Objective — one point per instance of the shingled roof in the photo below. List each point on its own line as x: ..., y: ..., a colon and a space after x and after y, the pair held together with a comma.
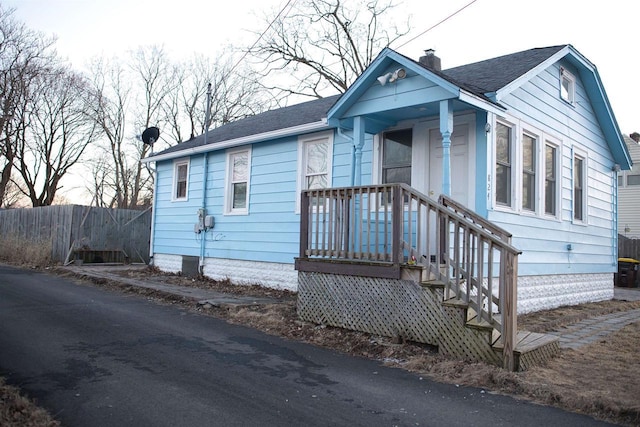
x: 280, y: 118
x: 480, y: 78
x: 492, y: 74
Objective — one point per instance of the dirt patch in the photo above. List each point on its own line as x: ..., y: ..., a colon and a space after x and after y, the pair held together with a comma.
x: 601, y: 380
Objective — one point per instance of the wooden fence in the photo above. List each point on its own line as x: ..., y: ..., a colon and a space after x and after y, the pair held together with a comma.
x: 628, y: 248
x: 82, y: 232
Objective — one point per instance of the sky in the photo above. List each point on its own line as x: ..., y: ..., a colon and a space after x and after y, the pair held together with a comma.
x: 606, y: 33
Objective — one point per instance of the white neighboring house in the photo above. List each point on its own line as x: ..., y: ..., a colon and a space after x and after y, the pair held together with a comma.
x: 629, y: 192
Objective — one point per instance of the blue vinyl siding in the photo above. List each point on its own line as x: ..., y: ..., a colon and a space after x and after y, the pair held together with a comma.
x: 270, y: 232
x: 544, y: 241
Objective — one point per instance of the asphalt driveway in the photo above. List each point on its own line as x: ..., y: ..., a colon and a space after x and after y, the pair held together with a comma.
x: 96, y: 357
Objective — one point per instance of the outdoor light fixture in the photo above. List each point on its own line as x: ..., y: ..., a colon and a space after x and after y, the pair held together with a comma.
x: 398, y: 74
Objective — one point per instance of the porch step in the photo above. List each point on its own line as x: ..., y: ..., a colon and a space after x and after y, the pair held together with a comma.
x: 479, y: 324
x: 456, y: 302
x: 432, y: 284
x: 532, y: 349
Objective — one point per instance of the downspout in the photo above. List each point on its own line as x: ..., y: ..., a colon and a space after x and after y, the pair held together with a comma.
x: 202, y: 212
x: 153, y: 216
x: 353, y: 154
x: 614, y: 208
x: 358, y: 144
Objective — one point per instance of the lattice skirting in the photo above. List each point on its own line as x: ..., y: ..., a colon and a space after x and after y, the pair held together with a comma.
x: 392, y: 308
x: 537, y: 356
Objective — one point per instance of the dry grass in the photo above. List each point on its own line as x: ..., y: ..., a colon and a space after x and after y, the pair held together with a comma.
x: 18, y: 411
x: 34, y: 253
x: 552, y: 320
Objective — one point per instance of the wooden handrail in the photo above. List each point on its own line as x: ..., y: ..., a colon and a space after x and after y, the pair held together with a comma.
x: 394, y: 224
x: 468, y: 213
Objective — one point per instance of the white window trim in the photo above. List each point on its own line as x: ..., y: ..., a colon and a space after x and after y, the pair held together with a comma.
x: 537, y: 171
x: 515, y: 153
x: 518, y: 129
x: 228, y: 188
x: 582, y: 154
x: 565, y: 74
x: 558, y: 174
x: 302, y: 164
x: 174, y: 187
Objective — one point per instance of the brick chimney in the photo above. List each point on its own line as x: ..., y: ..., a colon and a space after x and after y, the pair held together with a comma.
x: 430, y: 60
x: 635, y: 136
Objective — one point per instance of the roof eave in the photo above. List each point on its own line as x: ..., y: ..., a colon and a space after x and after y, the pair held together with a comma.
x: 236, y: 142
x: 478, y: 102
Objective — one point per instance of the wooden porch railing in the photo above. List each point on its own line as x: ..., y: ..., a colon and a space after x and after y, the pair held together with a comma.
x: 384, y: 227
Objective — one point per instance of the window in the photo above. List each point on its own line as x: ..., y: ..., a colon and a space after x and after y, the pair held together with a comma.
x: 316, y: 171
x: 314, y: 159
x: 237, y: 188
x: 550, y: 179
x: 630, y: 177
x: 633, y: 179
x: 396, y: 156
x: 180, y: 179
x: 503, y: 164
x: 567, y: 86
x: 578, y: 188
x: 528, y: 173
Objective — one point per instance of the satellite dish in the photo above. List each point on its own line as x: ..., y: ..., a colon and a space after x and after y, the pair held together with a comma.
x: 150, y: 135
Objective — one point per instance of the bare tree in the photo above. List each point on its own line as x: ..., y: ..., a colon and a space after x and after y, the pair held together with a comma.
x: 236, y: 93
x: 129, y: 98
x: 109, y: 111
x: 100, y: 179
x: 324, y: 45
x: 55, y: 135
x: 158, y: 77
x: 24, y: 55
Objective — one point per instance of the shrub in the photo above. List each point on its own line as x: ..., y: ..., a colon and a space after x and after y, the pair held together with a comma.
x: 20, y: 250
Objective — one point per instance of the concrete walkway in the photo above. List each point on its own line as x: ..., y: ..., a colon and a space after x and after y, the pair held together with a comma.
x: 201, y: 296
x: 595, y: 328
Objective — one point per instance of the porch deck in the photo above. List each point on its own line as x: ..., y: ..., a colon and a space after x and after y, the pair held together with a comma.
x: 390, y: 261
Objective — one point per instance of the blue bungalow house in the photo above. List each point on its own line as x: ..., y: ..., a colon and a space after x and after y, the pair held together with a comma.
x: 491, y: 184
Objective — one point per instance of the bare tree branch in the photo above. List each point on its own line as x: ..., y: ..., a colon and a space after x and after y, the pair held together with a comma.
x: 324, y: 45
x: 56, y: 133
x: 24, y: 55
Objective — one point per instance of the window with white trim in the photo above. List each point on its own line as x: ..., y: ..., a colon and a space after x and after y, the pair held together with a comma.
x: 504, y: 163
x: 529, y: 165
x: 567, y: 86
x: 237, y: 185
x: 180, y: 180
x: 578, y: 188
x: 314, y: 162
x: 550, y: 179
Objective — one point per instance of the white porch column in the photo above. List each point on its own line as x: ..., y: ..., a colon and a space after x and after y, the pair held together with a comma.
x: 358, y: 143
x: 446, y: 128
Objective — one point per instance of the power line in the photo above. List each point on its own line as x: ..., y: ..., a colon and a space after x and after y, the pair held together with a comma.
x: 440, y: 22
x: 262, y: 34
